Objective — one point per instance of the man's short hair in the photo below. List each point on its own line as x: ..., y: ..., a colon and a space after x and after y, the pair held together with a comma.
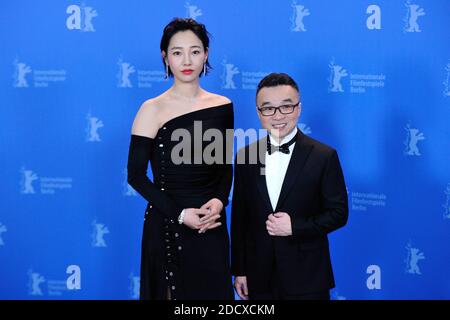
x: 277, y: 79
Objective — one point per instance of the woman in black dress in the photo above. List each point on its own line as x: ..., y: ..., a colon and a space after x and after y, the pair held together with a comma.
x: 185, y: 245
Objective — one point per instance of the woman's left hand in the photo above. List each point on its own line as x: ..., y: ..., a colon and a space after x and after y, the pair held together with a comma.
x: 208, y: 221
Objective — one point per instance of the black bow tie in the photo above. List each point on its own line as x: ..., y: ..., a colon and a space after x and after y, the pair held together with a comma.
x: 284, y: 148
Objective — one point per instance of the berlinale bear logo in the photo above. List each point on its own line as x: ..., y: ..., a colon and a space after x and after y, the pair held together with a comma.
x: 74, y: 21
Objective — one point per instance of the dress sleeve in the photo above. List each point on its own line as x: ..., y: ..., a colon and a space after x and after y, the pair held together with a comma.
x: 139, y: 155
x: 226, y: 169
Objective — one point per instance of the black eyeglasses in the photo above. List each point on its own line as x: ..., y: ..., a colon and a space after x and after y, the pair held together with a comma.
x: 284, y: 109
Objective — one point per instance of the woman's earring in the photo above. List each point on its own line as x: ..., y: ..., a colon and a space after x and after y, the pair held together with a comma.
x: 167, y: 72
x: 204, y: 69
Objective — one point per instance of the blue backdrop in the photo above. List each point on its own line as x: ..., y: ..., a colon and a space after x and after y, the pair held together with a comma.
x: 375, y: 82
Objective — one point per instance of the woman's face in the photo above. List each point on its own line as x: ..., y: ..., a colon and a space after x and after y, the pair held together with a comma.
x: 186, y: 56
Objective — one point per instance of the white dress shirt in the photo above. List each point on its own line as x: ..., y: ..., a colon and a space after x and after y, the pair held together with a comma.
x: 276, y: 167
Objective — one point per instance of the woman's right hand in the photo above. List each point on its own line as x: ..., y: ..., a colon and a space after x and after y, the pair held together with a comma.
x: 192, y: 217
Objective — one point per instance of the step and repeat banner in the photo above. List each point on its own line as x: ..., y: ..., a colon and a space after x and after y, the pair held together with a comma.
x: 375, y: 84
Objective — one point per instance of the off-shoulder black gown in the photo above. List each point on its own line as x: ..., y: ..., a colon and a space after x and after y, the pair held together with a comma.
x: 175, y: 257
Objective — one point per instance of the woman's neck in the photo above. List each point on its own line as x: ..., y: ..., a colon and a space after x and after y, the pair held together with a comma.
x: 186, y: 91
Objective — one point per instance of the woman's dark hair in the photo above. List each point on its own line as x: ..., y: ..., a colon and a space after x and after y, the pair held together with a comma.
x: 180, y: 24
x: 277, y: 79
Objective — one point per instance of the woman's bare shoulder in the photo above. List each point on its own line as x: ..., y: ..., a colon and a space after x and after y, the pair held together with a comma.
x: 146, y: 123
x: 217, y: 100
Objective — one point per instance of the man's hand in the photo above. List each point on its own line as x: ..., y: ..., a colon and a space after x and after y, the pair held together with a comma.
x: 208, y: 221
x: 279, y: 224
x: 240, y: 284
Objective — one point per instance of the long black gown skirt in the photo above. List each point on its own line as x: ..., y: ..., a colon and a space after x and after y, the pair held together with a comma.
x: 177, y: 260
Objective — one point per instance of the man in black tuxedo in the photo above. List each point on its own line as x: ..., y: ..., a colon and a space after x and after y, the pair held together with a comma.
x: 285, y: 203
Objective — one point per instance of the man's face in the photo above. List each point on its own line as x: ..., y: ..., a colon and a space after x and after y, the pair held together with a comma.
x: 279, y: 125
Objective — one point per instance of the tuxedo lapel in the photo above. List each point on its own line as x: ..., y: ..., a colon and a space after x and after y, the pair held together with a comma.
x: 299, y: 156
x: 260, y: 170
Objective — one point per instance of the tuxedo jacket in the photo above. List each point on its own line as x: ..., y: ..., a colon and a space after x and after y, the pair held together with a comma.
x: 314, y: 195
